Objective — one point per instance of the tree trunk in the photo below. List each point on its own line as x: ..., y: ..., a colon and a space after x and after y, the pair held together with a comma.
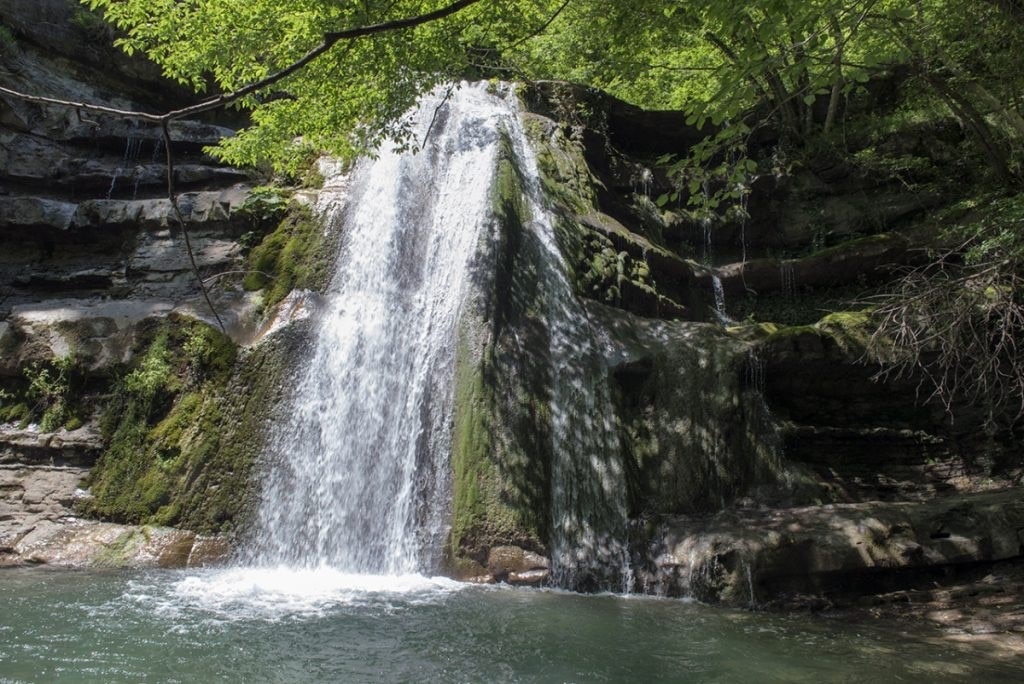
x: 837, y: 74
x: 973, y: 119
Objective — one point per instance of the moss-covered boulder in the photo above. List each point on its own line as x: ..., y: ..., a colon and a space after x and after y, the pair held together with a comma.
x: 183, y: 428
x: 501, y: 456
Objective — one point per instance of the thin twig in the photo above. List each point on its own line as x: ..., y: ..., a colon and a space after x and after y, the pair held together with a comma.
x: 172, y: 196
x: 222, y: 274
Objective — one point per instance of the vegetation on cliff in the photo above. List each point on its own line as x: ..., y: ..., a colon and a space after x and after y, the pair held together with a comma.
x: 795, y: 68
x: 296, y: 254
x: 182, y: 426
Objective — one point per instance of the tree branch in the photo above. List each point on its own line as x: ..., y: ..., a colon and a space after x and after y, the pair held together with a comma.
x: 172, y: 196
x: 329, y: 40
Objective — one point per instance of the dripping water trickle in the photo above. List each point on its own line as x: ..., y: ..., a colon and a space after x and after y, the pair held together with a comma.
x: 787, y: 277
x: 720, y: 312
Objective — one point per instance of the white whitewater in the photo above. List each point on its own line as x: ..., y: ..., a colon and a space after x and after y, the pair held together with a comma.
x: 358, y: 477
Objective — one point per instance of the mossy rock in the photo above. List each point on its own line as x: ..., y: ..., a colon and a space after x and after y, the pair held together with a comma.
x: 298, y: 254
x: 501, y: 443
x: 183, y: 429
x: 851, y: 332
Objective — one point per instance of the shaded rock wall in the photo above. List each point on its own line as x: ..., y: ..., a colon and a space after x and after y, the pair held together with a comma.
x: 769, y: 460
x: 501, y: 456
x: 90, y: 245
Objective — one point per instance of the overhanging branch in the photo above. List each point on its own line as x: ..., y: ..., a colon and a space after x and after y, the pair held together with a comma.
x: 329, y: 40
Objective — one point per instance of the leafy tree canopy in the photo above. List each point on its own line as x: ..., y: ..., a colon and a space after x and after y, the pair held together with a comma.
x: 345, y: 100
x: 715, y: 58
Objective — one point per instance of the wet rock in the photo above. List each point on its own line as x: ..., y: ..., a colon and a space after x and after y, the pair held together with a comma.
x: 74, y: 543
x: 204, y: 209
x: 208, y: 551
x: 695, y: 435
x: 745, y: 556
x: 502, y: 560
x: 479, y: 579
x: 528, y: 578
x: 298, y: 305
x: 855, y: 261
x: 34, y: 495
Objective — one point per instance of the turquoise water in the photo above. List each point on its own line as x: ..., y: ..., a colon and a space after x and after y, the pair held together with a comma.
x: 323, y: 626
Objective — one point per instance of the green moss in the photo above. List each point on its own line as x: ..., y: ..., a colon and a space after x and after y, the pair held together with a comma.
x: 120, y: 552
x: 471, y: 444
x: 52, y: 391
x: 850, y: 331
x: 501, y: 443
x: 753, y: 331
x: 15, y: 412
x: 499, y: 487
x: 791, y: 332
x: 180, y: 445
x: 295, y: 255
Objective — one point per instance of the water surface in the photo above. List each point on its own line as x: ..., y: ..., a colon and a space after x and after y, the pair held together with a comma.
x: 323, y: 626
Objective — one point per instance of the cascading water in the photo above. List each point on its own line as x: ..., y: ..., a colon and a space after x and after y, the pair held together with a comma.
x: 720, y: 312
x: 132, y: 147
x: 359, y: 469
x: 359, y: 475
x: 589, y: 513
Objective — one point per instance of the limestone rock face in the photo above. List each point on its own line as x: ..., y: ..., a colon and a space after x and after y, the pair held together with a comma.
x: 90, y: 244
x: 40, y: 485
x: 76, y: 543
x: 92, y: 259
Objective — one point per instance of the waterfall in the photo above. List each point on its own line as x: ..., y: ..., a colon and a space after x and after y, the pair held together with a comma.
x: 132, y: 147
x: 358, y: 465
x: 720, y: 312
x: 787, y: 279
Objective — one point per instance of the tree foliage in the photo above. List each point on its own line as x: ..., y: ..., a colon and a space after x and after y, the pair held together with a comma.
x: 344, y: 101
x: 791, y: 61
x: 789, y: 64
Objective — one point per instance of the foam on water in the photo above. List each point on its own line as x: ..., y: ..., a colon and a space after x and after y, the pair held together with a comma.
x: 277, y: 593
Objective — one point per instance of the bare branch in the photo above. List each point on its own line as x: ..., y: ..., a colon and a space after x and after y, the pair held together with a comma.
x: 329, y: 41
x: 172, y: 196
x: 956, y: 328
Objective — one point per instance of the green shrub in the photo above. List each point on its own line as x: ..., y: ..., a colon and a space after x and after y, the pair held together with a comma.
x: 49, y: 390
